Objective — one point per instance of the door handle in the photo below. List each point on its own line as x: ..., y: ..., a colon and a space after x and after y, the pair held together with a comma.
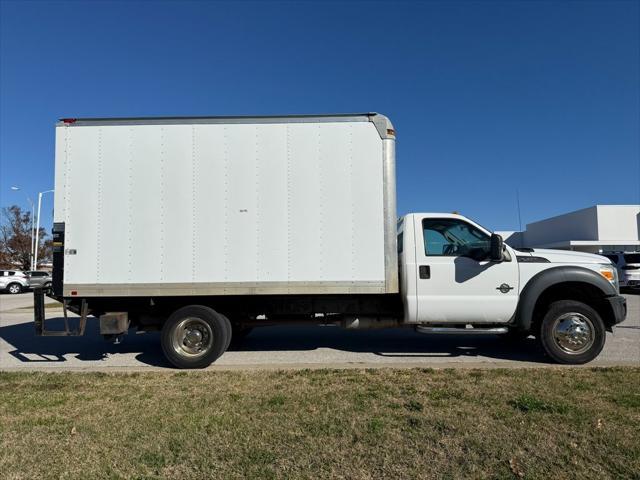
x: 424, y: 271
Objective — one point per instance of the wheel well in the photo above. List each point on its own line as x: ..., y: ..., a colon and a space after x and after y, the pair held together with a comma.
x: 578, y: 291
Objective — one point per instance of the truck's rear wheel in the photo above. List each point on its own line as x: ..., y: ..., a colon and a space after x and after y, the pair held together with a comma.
x: 195, y: 336
x: 239, y: 333
x: 572, y: 332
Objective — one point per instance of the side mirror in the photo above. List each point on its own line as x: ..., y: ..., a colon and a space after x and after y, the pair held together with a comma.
x: 496, y: 248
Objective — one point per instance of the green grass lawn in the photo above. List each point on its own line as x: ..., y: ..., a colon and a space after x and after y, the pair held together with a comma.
x: 521, y: 423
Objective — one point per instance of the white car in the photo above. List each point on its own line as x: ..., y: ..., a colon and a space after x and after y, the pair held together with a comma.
x: 13, y: 281
x: 628, y: 265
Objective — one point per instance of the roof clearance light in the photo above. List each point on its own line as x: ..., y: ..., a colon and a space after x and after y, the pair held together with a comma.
x: 69, y: 120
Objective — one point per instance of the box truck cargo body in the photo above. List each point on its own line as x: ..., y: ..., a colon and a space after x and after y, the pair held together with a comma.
x: 206, y: 227
x: 227, y: 206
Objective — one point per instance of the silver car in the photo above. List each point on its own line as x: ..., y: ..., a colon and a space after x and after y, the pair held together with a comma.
x: 13, y: 281
x: 39, y: 279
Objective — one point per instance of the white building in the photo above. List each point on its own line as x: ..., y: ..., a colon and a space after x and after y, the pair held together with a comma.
x: 595, y: 229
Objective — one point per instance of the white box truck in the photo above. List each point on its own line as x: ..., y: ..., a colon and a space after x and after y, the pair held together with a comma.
x: 206, y: 227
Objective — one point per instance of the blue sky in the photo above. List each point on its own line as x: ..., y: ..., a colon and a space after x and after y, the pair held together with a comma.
x: 486, y: 97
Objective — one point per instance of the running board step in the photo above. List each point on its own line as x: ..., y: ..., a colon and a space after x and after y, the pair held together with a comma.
x: 464, y: 330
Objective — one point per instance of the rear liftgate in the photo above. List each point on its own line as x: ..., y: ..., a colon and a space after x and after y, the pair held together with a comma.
x: 57, y: 288
x: 39, y: 318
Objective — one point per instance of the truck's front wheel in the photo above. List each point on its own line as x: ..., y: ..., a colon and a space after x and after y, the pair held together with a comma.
x: 572, y: 332
x: 195, y: 336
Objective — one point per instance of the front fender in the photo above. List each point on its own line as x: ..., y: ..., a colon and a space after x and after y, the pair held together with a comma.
x: 550, y: 277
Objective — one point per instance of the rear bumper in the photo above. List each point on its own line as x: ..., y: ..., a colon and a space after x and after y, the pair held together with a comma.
x: 630, y: 278
x: 619, y: 307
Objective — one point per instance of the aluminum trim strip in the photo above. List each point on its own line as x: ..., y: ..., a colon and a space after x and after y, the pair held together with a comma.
x: 347, y: 117
x: 390, y: 216
x: 221, y: 288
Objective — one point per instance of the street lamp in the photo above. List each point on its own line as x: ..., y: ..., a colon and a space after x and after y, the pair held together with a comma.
x: 15, y: 189
x: 35, y: 261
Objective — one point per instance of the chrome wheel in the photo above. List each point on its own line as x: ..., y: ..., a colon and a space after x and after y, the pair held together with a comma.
x: 573, y: 333
x: 14, y: 288
x: 192, y: 337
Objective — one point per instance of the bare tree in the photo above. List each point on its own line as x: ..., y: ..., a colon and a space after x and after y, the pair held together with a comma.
x: 15, y: 240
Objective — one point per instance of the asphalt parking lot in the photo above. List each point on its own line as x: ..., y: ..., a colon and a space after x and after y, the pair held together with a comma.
x: 289, y: 347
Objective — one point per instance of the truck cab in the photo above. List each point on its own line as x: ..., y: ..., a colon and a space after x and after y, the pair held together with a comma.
x: 454, y: 272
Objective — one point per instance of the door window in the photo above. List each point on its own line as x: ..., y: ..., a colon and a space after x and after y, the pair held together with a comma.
x: 451, y: 237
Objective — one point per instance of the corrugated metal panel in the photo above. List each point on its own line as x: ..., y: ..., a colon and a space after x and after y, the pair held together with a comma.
x: 214, y: 203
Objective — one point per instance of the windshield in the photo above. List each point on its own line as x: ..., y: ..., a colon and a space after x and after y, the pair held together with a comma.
x: 632, y: 257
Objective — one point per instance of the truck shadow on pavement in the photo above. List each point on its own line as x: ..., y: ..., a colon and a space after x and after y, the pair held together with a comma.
x: 393, y: 343
x: 29, y: 348
x: 397, y: 345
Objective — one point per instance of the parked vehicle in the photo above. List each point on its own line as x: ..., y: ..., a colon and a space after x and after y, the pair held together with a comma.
x: 206, y: 227
x: 628, y: 265
x: 39, y: 279
x: 13, y: 281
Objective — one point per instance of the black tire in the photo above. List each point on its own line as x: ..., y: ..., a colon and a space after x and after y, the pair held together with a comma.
x: 14, y: 288
x: 195, y: 336
x: 572, y: 332
x: 239, y: 333
x: 47, y: 286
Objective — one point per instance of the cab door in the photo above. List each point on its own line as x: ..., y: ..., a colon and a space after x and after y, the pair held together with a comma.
x: 455, y: 280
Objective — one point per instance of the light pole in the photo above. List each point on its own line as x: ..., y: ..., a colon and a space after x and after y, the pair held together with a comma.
x: 15, y: 189
x: 35, y: 261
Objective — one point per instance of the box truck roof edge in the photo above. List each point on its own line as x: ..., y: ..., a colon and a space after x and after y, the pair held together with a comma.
x: 383, y: 124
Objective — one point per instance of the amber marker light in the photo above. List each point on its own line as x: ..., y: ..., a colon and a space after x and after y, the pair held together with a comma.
x: 607, y: 273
